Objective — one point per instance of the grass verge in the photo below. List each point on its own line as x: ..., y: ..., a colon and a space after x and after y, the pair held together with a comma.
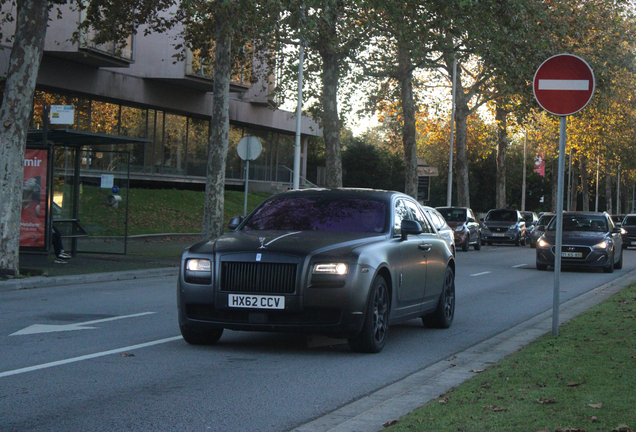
x: 584, y: 380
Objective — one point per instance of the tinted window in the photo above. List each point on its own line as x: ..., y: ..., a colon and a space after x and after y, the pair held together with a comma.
x: 319, y: 214
x: 528, y: 218
x: 419, y: 216
x: 630, y: 220
x: 453, y: 214
x: 401, y: 212
x: 596, y: 223
x: 502, y: 215
x: 545, y: 219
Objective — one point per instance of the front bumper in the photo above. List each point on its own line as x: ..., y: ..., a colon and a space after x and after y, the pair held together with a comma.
x: 500, y: 237
x: 629, y: 241
x: 590, y: 257
x: 333, y: 311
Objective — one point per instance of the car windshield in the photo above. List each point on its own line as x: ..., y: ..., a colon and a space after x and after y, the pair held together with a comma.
x: 596, y: 223
x: 545, y: 219
x: 502, y: 216
x: 630, y: 220
x: 315, y: 213
x: 453, y: 214
x: 528, y: 217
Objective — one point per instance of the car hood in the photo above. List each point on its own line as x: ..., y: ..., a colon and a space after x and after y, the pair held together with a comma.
x: 499, y: 224
x: 631, y: 229
x: 298, y: 243
x: 454, y: 224
x: 577, y: 237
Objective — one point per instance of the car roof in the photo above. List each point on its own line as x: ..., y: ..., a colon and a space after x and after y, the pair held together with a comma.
x: 367, y: 193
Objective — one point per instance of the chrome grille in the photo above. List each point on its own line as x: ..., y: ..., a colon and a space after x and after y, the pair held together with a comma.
x: 258, y: 277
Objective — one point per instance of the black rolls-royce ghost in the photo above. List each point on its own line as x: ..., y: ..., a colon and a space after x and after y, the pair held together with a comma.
x: 339, y: 262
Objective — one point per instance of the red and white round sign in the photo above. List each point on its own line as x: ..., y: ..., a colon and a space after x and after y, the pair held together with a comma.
x: 564, y: 84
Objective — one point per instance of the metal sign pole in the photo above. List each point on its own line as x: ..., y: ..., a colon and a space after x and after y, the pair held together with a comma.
x: 247, y: 177
x: 559, y: 230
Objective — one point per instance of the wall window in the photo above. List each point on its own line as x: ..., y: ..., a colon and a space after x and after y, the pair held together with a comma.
x: 134, y: 124
x: 198, y: 137
x: 174, y: 145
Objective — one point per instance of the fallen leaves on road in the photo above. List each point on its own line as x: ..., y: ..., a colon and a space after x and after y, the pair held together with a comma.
x: 390, y: 423
x: 596, y: 406
x: 575, y: 384
x: 544, y: 401
x: 127, y: 355
x: 476, y: 370
x: 622, y: 428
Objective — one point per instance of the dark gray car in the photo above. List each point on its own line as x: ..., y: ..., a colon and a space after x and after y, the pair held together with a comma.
x: 539, y: 228
x: 343, y: 262
x: 504, y: 226
x: 628, y: 231
x: 589, y: 239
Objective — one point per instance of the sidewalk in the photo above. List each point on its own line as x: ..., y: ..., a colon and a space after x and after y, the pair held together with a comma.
x: 147, y: 256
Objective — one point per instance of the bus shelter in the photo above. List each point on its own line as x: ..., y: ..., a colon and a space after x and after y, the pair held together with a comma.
x: 79, y: 183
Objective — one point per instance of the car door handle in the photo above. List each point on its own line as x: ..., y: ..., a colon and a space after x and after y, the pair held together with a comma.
x: 425, y: 247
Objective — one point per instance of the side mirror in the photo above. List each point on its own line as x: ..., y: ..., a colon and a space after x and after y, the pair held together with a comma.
x: 540, y: 227
x: 616, y: 230
x: 235, y: 222
x: 410, y: 227
x: 481, y: 219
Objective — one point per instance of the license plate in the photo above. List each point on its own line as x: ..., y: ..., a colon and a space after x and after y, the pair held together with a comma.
x: 572, y: 254
x: 256, y: 301
x: 498, y: 235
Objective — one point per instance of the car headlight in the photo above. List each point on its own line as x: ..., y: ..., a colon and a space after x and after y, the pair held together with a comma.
x: 623, y: 232
x: 459, y: 228
x: 198, y: 271
x: 601, y: 245
x: 331, y: 268
x: 543, y: 243
x: 199, y: 265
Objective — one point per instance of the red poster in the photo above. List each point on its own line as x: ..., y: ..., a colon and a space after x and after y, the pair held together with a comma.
x: 33, y: 219
x: 539, y: 165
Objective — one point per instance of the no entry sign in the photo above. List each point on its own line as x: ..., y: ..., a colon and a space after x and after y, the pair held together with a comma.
x: 564, y: 84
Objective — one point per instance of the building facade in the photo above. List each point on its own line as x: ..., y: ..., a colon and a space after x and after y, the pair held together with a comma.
x: 144, y: 91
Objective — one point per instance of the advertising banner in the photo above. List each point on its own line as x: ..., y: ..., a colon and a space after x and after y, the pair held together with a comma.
x: 33, y: 220
x: 539, y: 165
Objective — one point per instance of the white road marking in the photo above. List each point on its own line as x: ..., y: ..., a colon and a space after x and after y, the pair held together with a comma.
x: 480, y: 274
x: 519, y: 265
x: 46, y: 328
x: 548, y: 84
x: 87, y: 357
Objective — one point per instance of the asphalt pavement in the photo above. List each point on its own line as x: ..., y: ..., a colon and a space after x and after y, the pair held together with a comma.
x: 159, y: 256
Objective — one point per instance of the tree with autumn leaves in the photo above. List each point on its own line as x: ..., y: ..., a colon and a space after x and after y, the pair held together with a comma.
x: 496, y: 44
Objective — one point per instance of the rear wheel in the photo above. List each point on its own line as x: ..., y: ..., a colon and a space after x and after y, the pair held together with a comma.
x: 542, y: 267
x: 478, y: 244
x: 200, y: 337
x: 376, y: 321
x: 466, y: 244
x: 445, y: 312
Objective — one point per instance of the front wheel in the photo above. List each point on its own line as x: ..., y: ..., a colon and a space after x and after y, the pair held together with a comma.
x: 478, y: 244
x: 619, y: 264
x: 466, y: 244
x: 207, y: 337
x: 610, y: 266
x: 376, y: 321
x: 445, y: 312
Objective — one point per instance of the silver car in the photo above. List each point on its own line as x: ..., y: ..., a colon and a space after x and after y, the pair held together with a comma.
x: 444, y: 230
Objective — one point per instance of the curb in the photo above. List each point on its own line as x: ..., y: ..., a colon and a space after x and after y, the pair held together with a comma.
x: 371, y: 412
x: 46, y: 282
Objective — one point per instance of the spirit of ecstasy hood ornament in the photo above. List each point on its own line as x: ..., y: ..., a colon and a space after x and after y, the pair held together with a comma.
x: 262, y: 240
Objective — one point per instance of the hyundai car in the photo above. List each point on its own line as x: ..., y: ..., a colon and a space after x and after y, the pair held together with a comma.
x: 589, y: 239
